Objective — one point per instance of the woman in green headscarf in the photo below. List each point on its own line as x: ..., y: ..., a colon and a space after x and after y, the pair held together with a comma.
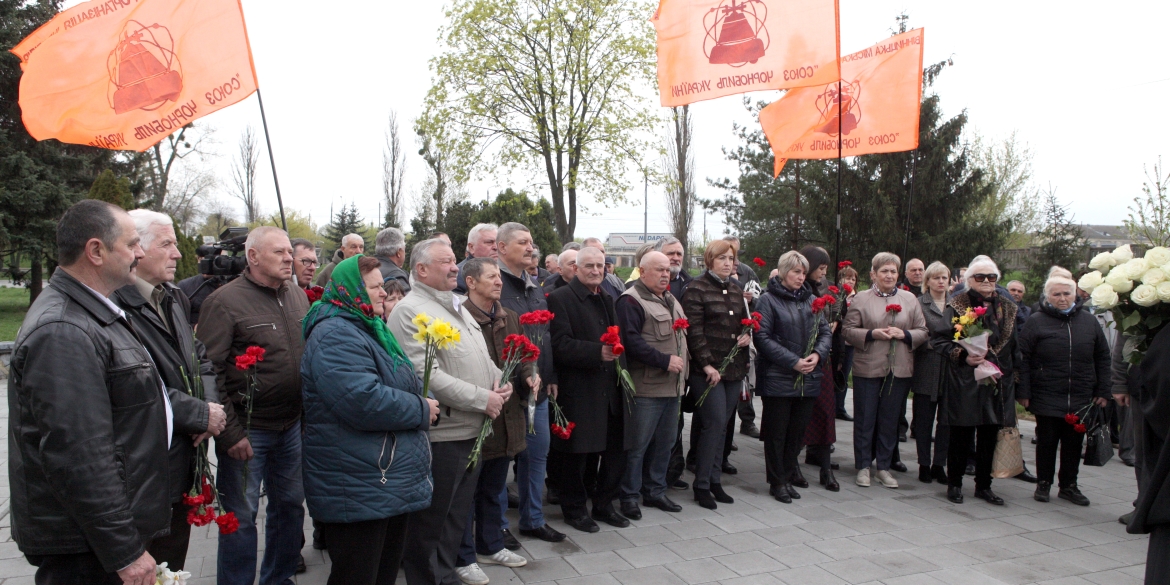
x: 366, y: 454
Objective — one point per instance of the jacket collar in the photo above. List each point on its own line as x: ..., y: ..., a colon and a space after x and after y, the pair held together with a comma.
x: 83, y: 295
x: 448, y: 299
x: 275, y: 291
x: 580, y: 290
x: 506, y: 272
x: 667, y: 300
x: 482, y: 317
x: 928, y: 303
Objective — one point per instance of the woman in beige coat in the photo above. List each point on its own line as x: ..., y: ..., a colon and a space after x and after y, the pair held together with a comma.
x: 884, y: 325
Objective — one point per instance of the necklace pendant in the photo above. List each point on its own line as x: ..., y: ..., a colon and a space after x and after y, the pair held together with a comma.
x: 383, y: 481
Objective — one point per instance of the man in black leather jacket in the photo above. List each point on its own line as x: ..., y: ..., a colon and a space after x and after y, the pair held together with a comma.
x: 90, y: 420
x: 158, y: 312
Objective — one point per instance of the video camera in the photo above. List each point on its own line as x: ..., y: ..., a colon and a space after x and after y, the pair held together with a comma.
x: 225, y: 257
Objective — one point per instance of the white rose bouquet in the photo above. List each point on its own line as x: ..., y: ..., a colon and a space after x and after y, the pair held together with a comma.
x: 1135, y: 290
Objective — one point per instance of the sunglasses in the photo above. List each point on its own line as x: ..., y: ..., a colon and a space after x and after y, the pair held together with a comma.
x: 985, y: 277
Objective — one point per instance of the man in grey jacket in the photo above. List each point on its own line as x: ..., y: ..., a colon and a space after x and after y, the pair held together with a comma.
x: 466, y: 383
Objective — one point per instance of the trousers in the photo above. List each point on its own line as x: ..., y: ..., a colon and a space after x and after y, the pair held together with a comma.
x: 436, y: 532
x: 782, y: 430
x: 925, y: 410
x: 1051, y: 432
x: 983, y: 437
x: 717, y: 410
x: 877, y: 405
x: 574, y: 473
x: 365, y: 553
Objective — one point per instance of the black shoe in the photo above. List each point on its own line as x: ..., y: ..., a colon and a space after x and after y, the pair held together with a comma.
x: 705, y: 499
x: 1128, y: 462
x: 729, y: 469
x: 611, y: 517
x: 832, y: 448
x: 989, y: 496
x: 844, y: 416
x: 970, y: 469
x: 955, y: 494
x: 318, y: 542
x: 1033, y: 440
x: 750, y: 430
x: 510, y: 541
x: 902, y: 438
x: 583, y: 523
x: 1125, y: 518
x: 829, y: 481
x: 546, y: 533
x: 780, y: 492
x: 792, y: 492
x: 798, y: 479
x: 720, y: 495
x: 1026, y: 475
x: 691, y: 466
x: 631, y: 510
x: 1043, y: 489
x: 664, y: 503
x: 924, y: 475
x: 679, y: 485
x: 1074, y: 495
x: 554, y: 499
x: 939, y: 473
x: 734, y: 447
x: 899, y: 467
x: 301, y: 568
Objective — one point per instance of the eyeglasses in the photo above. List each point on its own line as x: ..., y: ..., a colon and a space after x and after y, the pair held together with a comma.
x: 308, y: 262
x: 985, y: 277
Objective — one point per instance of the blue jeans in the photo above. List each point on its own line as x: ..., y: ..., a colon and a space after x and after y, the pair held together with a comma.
x: 532, y: 463
x: 655, y: 423
x: 875, y: 419
x: 484, y: 531
x: 276, y: 461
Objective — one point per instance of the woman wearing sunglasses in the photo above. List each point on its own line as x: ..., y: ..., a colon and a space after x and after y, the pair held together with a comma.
x: 977, y: 409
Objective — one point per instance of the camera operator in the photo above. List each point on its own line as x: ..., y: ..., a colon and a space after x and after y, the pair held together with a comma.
x: 215, y: 268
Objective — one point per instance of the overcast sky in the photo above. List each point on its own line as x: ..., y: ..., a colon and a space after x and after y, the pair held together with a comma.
x: 1083, y: 84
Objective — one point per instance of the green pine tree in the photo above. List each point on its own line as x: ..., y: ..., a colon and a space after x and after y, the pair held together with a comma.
x: 347, y: 220
x: 536, y: 215
x: 1060, y: 243
x: 111, y: 188
x: 188, y: 264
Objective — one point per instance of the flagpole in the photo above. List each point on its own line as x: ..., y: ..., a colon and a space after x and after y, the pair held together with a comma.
x: 271, y: 161
x: 910, y: 206
x: 837, y: 249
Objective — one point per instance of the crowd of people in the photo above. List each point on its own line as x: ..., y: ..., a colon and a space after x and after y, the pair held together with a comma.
x: 320, y: 387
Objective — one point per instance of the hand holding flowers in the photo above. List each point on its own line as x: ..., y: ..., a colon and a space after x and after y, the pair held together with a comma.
x: 612, y: 339
x: 750, y: 325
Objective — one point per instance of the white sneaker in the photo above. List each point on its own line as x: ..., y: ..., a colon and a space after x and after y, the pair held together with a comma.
x: 472, y: 574
x: 887, y: 479
x: 863, y: 477
x: 504, y: 557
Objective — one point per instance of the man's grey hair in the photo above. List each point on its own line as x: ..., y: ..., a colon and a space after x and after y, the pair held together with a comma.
x: 571, y: 246
x: 475, y: 267
x: 388, y: 242
x: 260, y: 233
x: 479, y: 229
x: 1016, y: 282
x: 298, y: 243
x: 563, y: 259
x: 424, y: 253
x: 508, y: 231
x: 589, y: 250
x: 664, y: 242
x: 553, y: 256
x: 347, y: 238
x: 144, y: 219
x: 586, y: 242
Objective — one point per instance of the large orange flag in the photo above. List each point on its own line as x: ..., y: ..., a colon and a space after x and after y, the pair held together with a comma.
x: 712, y: 48
x: 124, y: 74
x: 879, y: 100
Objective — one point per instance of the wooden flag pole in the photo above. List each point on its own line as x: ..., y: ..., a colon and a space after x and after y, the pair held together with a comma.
x: 272, y: 161
x: 837, y: 249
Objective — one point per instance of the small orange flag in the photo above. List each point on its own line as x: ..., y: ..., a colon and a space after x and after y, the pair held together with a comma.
x: 879, y: 100
x: 124, y: 74
x: 712, y: 48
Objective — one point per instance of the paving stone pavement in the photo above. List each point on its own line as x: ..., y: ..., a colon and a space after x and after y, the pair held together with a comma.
x: 858, y: 536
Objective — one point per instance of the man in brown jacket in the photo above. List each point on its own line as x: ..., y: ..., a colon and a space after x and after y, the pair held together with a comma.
x: 259, y: 308
x: 658, y: 365
x: 485, y: 544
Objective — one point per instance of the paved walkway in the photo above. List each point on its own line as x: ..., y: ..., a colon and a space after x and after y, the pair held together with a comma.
x: 908, y: 536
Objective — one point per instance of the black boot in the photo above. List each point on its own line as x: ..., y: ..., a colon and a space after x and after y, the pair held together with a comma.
x: 1043, y: 491
x: 955, y: 494
x: 1072, y: 494
x: 705, y: 498
x: 720, y: 495
x: 939, y: 473
x: 828, y: 480
x: 924, y: 474
x: 780, y: 492
x: 798, y: 479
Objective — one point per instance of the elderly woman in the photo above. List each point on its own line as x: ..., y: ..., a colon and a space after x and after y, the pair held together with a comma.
x: 884, y: 325
x: 366, y: 455
x: 974, y: 409
x: 928, y: 377
x: 821, y: 432
x: 1065, y: 366
x: 714, y: 306
x: 787, y: 380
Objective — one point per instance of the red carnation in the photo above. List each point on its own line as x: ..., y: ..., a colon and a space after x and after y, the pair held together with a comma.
x: 618, y: 349
x: 848, y: 289
x: 228, y: 523
x: 244, y: 362
x: 843, y: 264
x: 193, y: 501
x: 1072, y: 419
x: 1080, y: 428
x: 758, y: 261
x: 612, y: 336
x: 830, y: 299
x: 904, y: 287
x: 681, y: 324
x: 536, y: 318
x: 894, y: 308
x: 818, y: 305
x: 201, y: 516
x: 314, y: 293
x: 833, y: 289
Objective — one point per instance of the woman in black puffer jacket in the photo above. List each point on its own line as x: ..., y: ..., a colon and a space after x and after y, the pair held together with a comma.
x: 1065, y: 366
x: 786, y: 324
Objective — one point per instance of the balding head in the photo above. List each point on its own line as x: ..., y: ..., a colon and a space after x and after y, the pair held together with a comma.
x: 655, y: 272
x: 591, y: 267
x: 270, y: 255
x: 568, y: 263
x: 915, y: 272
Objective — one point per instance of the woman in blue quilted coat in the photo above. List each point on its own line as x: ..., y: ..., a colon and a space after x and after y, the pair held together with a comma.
x: 367, y: 460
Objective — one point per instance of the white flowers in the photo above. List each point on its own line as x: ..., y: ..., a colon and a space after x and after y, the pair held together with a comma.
x: 1144, y: 295
x: 1122, y: 255
x: 1119, y: 281
x: 165, y: 576
x: 1146, y: 279
x: 1164, y: 292
x: 1104, y: 297
x: 1158, y: 256
x: 1154, y: 276
x: 1134, y: 269
x: 1102, y: 261
x: 1091, y: 281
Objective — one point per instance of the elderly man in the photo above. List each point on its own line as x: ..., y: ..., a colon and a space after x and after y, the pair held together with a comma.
x: 519, y: 294
x: 914, y: 277
x: 589, y: 396
x: 88, y: 411
x: 157, y: 310
x: 390, y: 250
x: 552, y: 264
x: 260, y: 308
x: 466, y: 383
x: 672, y: 248
x: 612, y: 284
x: 568, y: 264
x: 304, y: 262
x: 351, y: 245
x: 658, y: 361
x: 1017, y: 290
x: 481, y: 243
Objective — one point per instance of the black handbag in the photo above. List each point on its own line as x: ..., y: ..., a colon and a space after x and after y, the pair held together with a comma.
x: 1098, y: 447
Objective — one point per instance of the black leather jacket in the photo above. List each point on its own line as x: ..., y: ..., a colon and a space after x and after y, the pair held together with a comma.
x: 176, y: 355
x: 87, y: 431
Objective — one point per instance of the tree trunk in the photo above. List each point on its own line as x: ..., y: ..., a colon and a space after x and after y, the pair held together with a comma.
x: 35, y: 277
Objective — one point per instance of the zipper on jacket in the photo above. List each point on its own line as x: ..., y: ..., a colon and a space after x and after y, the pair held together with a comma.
x: 272, y: 325
x: 1068, y: 325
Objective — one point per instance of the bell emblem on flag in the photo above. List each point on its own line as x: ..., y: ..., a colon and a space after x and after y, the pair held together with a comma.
x: 735, y: 31
x: 144, y: 71
x: 846, y: 103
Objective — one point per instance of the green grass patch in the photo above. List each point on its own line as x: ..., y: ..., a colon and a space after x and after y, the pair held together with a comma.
x: 13, y: 306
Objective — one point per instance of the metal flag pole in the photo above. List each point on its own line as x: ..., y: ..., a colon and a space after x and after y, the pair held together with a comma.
x: 837, y: 249
x: 910, y: 206
x: 271, y: 161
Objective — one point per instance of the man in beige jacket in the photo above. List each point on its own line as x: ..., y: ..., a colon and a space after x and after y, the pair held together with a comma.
x: 465, y: 381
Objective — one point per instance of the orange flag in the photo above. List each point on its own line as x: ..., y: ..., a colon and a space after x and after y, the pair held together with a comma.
x: 712, y: 48
x: 124, y: 74
x: 879, y: 100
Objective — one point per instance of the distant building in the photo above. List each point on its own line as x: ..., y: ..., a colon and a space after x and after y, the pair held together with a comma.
x: 1101, y: 238
x: 623, y: 246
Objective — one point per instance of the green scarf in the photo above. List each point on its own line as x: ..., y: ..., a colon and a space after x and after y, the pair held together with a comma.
x: 347, y: 292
